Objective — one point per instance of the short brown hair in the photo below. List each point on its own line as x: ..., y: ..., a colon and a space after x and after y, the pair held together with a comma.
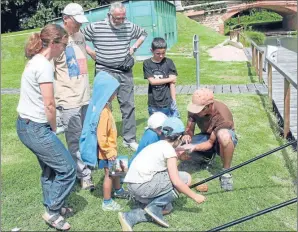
x: 37, y: 41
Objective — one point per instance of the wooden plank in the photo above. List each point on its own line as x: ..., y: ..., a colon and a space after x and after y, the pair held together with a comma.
x: 235, y: 89
x: 243, y: 88
x: 226, y: 88
x: 218, y: 89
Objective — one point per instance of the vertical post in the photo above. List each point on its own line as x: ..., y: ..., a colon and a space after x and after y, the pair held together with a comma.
x: 238, y: 36
x: 252, y: 55
x: 256, y: 60
x: 260, y: 67
x: 286, y: 107
x: 270, y: 82
x: 196, y: 53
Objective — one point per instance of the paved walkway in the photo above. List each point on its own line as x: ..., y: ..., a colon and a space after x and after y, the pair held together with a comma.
x: 189, y: 89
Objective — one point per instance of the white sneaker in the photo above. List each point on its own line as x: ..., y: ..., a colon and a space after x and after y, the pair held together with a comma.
x: 112, y: 206
x: 133, y: 145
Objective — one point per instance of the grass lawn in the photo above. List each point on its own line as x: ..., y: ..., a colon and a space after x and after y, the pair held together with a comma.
x: 259, y: 185
x: 212, y: 72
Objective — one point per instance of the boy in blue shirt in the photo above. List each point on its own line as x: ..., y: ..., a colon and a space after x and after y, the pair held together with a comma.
x: 152, y: 132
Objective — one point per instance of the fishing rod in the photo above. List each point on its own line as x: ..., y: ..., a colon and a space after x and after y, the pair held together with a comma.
x: 244, y: 163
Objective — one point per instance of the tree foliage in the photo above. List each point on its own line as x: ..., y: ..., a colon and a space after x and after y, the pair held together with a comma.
x: 26, y: 14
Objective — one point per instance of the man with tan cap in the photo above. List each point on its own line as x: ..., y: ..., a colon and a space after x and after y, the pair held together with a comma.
x: 72, y: 90
x: 215, y: 121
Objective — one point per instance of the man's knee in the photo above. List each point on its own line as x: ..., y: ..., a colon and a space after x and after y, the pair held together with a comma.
x: 224, y: 138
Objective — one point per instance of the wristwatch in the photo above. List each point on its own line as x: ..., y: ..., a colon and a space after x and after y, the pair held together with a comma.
x: 134, y: 49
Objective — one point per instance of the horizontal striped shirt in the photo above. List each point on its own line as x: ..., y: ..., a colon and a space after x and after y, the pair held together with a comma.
x: 111, y: 44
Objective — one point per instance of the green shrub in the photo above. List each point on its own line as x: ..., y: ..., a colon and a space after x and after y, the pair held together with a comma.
x: 256, y: 36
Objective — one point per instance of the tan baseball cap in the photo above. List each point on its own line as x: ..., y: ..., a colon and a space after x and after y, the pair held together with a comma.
x: 200, y: 99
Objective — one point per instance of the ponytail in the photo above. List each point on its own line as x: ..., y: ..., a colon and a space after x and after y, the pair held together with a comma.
x: 33, y: 45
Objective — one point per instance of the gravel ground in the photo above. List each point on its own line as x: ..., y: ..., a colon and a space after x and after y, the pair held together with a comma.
x: 227, y: 53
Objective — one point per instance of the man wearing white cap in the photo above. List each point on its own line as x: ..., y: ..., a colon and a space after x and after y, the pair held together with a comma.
x: 72, y: 90
x: 215, y: 121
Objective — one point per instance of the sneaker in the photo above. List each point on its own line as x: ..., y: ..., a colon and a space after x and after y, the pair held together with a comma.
x: 156, y: 217
x: 167, y: 209
x: 132, y: 145
x: 123, y: 194
x: 123, y: 222
x: 226, y: 182
x: 112, y: 206
x: 87, y: 184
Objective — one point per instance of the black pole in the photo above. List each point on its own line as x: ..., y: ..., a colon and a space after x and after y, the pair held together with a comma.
x: 245, y: 163
x: 264, y: 211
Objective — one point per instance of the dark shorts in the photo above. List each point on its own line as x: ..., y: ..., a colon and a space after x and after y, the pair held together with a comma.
x: 200, y: 138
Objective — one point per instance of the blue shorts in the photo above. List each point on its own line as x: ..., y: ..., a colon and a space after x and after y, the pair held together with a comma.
x: 106, y: 164
x: 200, y: 138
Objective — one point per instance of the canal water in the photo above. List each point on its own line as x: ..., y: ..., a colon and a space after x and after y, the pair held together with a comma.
x: 289, y: 42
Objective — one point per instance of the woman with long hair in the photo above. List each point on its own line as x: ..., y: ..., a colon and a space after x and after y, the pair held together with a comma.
x: 36, y: 123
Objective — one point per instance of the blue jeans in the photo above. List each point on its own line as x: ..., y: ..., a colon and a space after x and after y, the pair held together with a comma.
x: 166, y: 110
x: 58, y: 167
x: 202, y: 137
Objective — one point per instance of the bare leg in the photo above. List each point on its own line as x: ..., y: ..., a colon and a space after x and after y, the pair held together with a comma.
x: 107, y: 185
x: 226, y: 147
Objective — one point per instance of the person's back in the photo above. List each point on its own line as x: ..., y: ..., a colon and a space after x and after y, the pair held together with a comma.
x: 152, y: 133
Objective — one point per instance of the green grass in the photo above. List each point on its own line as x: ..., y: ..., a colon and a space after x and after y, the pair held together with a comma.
x: 257, y: 186
x: 211, y: 72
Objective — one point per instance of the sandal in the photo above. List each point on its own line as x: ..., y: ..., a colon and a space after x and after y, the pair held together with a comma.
x: 56, y: 221
x: 66, y: 211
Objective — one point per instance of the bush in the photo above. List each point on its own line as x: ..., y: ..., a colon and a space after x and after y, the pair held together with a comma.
x: 256, y: 36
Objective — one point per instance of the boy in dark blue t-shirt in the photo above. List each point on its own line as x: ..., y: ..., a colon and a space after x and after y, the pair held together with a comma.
x: 161, y: 73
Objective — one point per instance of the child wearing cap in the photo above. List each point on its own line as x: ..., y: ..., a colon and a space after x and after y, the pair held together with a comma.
x: 161, y: 73
x: 152, y: 133
x: 154, y: 181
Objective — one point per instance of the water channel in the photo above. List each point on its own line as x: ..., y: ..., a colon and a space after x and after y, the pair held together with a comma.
x: 288, y: 42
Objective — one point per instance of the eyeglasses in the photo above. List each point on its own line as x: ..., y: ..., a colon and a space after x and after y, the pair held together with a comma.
x: 118, y: 18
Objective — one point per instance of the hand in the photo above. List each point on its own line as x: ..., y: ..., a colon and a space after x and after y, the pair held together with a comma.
x: 131, y: 51
x: 112, y: 158
x: 173, y: 79
x: 199, y: 198
x: 186, y: 139
x: 189, y: 147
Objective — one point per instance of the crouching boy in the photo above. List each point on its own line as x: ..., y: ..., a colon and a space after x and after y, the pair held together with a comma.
x: 153, y: 179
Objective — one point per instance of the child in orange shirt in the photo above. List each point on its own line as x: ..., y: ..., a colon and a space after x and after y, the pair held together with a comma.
x: 107, y: 142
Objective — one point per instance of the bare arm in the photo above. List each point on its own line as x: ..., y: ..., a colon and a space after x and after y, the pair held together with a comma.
x: 47, y: 92
x: 91, y: 52
x: 157, y: 81
x: 178, y: 184
x: 173, y: 90
x: 206, y: 145
x: 137, y: 44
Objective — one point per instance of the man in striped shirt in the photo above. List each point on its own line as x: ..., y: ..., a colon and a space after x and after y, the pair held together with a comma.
x: 111, y: 39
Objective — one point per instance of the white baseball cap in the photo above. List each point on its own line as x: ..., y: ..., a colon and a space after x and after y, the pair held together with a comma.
x: 156, y: 120
x: 75, y: 10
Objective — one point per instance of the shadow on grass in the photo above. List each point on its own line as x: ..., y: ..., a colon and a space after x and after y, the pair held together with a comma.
x: 77, y: 202
x: 278, y: 128
x: 119, y: 125
x: 245, y: 189
x: 249, y: 72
